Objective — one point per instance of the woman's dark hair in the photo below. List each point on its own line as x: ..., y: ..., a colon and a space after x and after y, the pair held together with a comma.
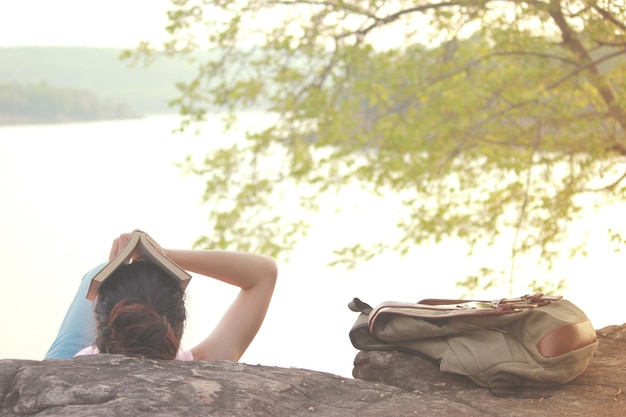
x: 140, y: 311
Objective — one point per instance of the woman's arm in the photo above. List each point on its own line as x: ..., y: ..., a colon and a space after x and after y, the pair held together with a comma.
x: 254, y: 274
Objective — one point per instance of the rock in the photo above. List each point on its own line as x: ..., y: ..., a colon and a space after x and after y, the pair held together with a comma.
x: 112, y: 385
x: 390, y: 384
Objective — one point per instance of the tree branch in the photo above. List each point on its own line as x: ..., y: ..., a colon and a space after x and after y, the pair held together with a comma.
x: 608, y: 17
x: 380, y: 21
x: 585, y: 67
x: 610, y: 186
x: 572, y: 43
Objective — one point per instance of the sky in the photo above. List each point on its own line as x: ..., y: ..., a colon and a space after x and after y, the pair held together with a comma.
x: 112, y: 23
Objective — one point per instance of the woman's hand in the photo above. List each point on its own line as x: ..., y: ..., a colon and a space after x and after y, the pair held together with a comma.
x: 118, y: 245
x: 122, y: 240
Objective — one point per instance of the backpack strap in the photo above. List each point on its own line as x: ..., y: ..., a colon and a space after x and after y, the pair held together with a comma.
x: 359, y: 306
x: 503, y: 304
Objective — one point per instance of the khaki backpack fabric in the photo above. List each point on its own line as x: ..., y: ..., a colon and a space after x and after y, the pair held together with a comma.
x: 532, y: 341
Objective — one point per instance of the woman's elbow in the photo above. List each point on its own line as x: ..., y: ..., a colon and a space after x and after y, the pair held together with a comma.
x: 271, y: 271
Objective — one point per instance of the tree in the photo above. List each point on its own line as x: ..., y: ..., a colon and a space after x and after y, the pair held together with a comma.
x: 484, y: 117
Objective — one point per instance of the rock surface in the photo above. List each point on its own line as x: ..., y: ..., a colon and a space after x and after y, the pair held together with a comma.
x: 387, y: 384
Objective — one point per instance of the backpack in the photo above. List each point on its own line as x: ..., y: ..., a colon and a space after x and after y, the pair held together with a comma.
x: 531, y: 341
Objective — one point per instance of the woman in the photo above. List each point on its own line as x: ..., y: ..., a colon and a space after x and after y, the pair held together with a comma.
x: 140, y: 310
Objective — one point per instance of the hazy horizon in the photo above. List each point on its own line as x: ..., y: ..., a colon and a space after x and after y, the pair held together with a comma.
x: 115, y: 24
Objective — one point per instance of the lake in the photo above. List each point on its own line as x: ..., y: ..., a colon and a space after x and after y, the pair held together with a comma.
x: 69, y: 189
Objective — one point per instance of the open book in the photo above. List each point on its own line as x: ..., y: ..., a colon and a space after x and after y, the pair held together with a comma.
x: 140, y: 242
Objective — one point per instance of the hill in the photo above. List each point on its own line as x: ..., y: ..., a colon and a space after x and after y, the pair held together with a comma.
x: 25, y: 103
x: 98, y: 72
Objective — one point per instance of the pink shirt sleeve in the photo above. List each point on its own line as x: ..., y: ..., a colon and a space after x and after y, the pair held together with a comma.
x: 182, y: 355
x: 90, y: 350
